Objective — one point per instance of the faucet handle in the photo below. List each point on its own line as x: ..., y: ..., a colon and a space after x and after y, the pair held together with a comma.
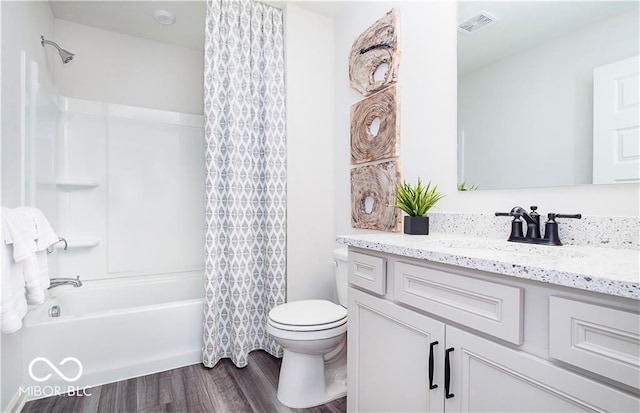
x: 516, y: 224
x: 515, y: 214
x: 551, y: 227
x: 552, y: 216
x: 576, y: 216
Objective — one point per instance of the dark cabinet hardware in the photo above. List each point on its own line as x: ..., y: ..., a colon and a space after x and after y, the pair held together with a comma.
x: 431, y: 385
x: 447, y: 373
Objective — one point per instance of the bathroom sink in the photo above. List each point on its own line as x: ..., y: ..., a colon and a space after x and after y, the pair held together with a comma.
x: 509, y: 247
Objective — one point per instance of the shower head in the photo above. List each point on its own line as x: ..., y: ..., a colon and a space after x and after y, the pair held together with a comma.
x: 65, y: 55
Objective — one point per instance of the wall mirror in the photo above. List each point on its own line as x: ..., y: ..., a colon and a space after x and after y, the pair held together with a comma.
x: 540, y: 88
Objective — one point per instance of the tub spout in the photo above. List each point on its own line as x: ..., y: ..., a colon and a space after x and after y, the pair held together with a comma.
x: 57, y: 282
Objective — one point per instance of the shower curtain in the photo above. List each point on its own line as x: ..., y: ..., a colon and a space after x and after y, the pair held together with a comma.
x: 244, y: 108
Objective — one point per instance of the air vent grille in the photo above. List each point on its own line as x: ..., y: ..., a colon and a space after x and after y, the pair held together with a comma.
x: 477, y: 23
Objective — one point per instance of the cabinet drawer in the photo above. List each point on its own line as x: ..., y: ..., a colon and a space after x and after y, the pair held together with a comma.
x: 368, y: 272
x: 599, y: 339
x: 488, y: 307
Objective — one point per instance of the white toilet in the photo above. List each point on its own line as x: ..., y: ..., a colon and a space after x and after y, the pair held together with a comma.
x: 313, y: 334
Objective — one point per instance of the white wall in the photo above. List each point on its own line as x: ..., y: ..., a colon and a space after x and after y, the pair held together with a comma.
x: 427, y: 81
x: 310, y: 151
x: 528, y: 118
x: 22, y: 25
x: 117, y: 68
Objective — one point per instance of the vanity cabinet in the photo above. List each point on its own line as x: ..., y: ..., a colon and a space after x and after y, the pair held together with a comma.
x: 421, y: 319
x: 487, y: 376
x: 390, y: 348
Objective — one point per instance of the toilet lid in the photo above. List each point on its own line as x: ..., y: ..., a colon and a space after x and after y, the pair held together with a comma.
x: 308, y: 313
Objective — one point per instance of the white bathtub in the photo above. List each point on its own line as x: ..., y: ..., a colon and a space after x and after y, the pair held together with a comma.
x: 117, y: 329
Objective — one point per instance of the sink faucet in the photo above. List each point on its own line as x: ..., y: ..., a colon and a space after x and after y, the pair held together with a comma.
x: 532, y: 219
x: 57, y: 282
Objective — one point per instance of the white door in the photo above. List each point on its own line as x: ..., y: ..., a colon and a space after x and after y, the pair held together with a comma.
x: 616, y: 122
x: 489, y: 377
x: 389, y: 349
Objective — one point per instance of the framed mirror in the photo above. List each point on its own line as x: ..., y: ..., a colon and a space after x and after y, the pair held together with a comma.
x: 539, y: 87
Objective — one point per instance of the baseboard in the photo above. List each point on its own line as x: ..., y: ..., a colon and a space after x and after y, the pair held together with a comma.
x: 17, y: 402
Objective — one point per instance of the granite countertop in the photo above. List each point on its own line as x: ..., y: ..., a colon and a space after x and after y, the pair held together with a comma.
x: 603, y: 270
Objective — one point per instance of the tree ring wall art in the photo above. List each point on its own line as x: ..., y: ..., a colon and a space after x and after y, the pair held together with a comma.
x: 374, y: 127
x: 372, y: 193
x: 375, y: 56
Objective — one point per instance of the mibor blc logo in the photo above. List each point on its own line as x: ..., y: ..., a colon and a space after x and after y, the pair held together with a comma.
x: 40, y: 377
x: 54, y: 368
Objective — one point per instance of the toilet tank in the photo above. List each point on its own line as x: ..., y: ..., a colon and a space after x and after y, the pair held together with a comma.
x: 341, y: 270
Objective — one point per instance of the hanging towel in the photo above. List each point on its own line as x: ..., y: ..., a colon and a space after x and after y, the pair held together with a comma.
x: 23, y: 234
x: 13, y: 303
x: 19, y: 230
x: 45, y: 237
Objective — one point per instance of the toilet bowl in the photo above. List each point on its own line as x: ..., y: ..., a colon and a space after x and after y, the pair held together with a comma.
x: 313, y: 334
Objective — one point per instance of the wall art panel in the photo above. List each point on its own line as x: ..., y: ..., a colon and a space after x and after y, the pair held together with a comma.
x: 374, y: 127
x: 375, y: 56
x: 372, y: 189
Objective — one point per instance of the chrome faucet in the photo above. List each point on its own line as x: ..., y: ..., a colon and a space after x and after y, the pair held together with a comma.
x: 532, y: 219
x: 57, y: 282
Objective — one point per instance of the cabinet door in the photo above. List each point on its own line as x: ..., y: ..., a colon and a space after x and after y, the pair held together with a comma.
x: 487, y: 376
x: 389, y: 348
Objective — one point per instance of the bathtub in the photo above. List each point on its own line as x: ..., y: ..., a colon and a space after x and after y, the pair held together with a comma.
x: 115, y: 329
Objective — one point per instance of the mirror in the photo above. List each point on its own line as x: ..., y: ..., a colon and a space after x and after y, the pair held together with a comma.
x: 527, y: 99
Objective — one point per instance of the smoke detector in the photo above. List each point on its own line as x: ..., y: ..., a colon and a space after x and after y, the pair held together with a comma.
x: 164, y: 17
x: 477, y: 23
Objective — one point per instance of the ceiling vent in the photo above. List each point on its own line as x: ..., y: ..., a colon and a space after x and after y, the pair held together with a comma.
x: 477, y: 23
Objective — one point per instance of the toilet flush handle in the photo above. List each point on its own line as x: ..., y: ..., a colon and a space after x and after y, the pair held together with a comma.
x: 334, y: 262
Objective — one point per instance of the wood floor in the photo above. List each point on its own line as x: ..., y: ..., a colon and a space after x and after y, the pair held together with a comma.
x: 192, y: 389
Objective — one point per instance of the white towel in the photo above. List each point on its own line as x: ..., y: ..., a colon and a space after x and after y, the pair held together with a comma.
x: 31, y: 269
x: 45, y: 235
x: 19, y: 230
x: 13, y: 303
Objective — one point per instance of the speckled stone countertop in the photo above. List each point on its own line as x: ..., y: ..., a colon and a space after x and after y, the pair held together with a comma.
x: 604, y: 270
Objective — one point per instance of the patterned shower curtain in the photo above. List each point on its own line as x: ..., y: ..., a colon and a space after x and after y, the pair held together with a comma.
x: 244, y: 108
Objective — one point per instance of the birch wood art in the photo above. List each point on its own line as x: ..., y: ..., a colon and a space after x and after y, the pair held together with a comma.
x: 371, y: 194
x: 376, y: 46
x: 370, y: 143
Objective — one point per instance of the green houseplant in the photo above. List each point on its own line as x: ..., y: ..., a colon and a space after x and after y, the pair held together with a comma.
x: 416, y: 200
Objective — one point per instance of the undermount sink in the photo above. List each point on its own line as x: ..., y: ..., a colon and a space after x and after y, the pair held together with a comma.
x: 505, y: 246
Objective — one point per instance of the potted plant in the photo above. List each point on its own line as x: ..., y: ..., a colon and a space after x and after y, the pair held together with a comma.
x: 416, y: 201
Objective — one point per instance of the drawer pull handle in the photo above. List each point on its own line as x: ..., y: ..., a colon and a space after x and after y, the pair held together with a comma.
x: 431, y: 385
x: 447, y: 373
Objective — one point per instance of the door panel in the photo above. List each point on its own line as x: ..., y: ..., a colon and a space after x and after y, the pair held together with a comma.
x: 389, y: 357
x: 616, y: 122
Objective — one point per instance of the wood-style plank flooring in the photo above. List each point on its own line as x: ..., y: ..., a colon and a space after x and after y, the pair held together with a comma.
x: 192, y: 389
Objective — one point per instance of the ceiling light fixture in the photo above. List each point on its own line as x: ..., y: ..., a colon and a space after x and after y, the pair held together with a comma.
x: 164, y: 17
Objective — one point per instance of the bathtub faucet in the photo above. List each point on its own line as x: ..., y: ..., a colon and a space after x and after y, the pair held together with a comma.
x: 57, y: 282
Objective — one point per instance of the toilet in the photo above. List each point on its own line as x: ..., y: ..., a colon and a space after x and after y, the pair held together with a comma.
x: 313, y: 334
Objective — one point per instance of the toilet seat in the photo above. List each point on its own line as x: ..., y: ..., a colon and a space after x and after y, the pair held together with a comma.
x: 308, y: 315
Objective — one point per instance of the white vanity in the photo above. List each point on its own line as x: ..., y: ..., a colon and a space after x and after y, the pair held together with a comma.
x: 453, y: 323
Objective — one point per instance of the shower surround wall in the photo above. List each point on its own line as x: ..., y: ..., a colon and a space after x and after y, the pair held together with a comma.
x: 129, y: 190
x: 131, y: 172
